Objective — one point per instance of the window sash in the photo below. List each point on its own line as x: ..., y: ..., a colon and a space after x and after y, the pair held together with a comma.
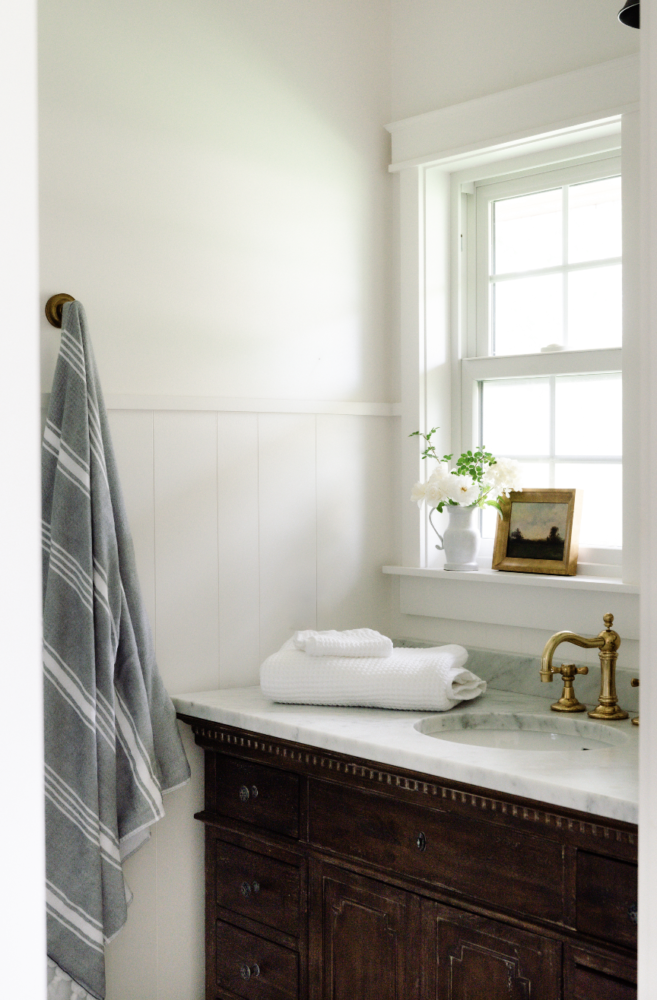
x: 476, y: 370
x: 479, y: 338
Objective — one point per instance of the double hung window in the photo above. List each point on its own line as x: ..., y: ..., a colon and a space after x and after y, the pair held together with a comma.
x: 542, y: 332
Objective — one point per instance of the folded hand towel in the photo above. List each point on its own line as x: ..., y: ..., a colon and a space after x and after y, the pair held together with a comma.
x: 431, y: 679
x: 352, y: 642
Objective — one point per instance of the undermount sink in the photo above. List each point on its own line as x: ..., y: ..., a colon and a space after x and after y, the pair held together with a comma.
x: 504, y: 731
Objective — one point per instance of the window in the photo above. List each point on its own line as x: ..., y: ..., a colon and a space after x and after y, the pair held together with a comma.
x: 542, y: 332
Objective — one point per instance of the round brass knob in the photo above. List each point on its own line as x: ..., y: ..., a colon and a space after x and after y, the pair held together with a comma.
x: 246, y: 971
x: 245, y: 794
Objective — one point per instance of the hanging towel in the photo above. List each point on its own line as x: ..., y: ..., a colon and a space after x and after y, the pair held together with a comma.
x: 352, y: 642
x: 433, y: 679
x: 112, y: 745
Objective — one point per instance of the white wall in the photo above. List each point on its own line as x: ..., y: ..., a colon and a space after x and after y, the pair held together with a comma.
x: 22, y: 920
x: 447, y: 51
x: 214, y: 189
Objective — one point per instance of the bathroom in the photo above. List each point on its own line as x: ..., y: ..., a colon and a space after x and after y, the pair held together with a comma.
x: 214, y: 188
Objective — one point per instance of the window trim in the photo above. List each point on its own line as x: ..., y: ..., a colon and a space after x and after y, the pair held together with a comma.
x: 428, y: 303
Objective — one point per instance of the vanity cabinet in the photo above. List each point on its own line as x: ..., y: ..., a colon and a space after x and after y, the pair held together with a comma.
x: 334, y: 878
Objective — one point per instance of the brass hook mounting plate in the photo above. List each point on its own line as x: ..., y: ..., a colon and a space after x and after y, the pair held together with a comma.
x: 54, y: 307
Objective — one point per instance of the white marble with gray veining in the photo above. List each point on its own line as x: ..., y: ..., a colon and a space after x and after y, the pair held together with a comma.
x: 603, y: 782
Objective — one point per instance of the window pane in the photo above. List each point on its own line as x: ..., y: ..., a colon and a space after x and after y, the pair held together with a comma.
x: 594, y: 220
x: 602, y: 511
x: 516, y: 416
x: 527, y: 232
x: 527, y: 314
x: 595, y: 308
x: 589, y: 419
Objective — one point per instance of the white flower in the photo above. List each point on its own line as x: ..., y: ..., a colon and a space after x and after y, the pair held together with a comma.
x: 503, y: 477
x: 463, y: 490
x: 435, y: 493
x: 439, y: 473
x: 418, y: 493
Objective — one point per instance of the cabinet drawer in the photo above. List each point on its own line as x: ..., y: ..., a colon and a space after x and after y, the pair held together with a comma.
x: 485, y: 861
x: 258, y: 886
x: 253, y: 793
x: 606, y: 898
x: 251, y: 967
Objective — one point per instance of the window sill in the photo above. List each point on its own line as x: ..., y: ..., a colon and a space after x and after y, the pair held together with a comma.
x: 550, y: 603
x: 492, y: 576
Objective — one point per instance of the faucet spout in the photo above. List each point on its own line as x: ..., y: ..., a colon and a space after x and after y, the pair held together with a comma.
x: 607, y: 642
x: 547, y: 670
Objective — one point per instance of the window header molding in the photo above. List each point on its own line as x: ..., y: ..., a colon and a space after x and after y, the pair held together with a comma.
x: 593, y: 98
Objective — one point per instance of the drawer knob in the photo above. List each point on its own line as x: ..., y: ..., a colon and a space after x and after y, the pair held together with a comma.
x: 247, y: 793
x: 247, y: 888
x: 421, y: 842
x: 246, y: 971
x: 632, y: 914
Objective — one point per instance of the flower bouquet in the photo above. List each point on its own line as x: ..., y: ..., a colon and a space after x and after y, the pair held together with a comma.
x: 478, y: 480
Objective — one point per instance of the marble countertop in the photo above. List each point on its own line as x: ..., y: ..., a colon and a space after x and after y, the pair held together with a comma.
x: 603, y: 782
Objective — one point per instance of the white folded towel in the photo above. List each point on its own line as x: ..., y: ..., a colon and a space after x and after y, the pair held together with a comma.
x: 352, y: 642
x: 433, y: 679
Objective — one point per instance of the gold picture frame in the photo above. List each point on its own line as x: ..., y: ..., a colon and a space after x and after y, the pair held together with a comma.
x: 550, y: 540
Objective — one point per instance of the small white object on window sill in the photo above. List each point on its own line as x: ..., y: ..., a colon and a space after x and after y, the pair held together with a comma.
x: 551, y: 347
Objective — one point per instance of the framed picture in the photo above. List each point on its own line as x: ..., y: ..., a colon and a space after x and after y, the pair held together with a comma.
x: 538, y: 532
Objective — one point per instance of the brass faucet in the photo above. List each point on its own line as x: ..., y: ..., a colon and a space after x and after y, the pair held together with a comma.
x: 607, y: 642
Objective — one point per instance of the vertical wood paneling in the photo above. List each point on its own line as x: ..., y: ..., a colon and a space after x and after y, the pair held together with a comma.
x: 239, y: 576
x: 132, y: 436
x: 186, y: 550
x: 131, y: 959
x: 179, y: 902
x: 354, y: 521
x: 287, y: 499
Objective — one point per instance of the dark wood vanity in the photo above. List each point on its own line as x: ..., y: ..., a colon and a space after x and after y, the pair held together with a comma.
x: 333, y: 878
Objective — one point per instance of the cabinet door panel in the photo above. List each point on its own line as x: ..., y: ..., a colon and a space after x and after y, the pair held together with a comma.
x: 466, y: 956
x: 590, y: 974
x: 366, y: 936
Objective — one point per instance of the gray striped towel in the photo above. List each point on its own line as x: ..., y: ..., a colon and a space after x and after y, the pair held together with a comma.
x: 112, y: 745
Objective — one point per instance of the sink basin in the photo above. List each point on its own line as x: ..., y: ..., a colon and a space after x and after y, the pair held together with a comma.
x: 504, y: 731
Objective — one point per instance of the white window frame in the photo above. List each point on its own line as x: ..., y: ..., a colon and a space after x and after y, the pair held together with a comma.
x: 471, y: 201
x: 431, y: 321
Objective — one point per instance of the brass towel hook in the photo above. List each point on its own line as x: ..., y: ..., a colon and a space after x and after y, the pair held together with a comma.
x: 54, y: 307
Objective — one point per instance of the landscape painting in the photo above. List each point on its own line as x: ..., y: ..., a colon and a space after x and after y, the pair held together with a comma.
x: 537, y: 531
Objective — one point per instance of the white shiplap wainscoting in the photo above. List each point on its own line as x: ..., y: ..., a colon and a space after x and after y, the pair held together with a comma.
x: 247, y: 525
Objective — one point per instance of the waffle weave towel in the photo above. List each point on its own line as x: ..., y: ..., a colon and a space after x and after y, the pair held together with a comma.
x: 433, y: 679
x: 352, y: 642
